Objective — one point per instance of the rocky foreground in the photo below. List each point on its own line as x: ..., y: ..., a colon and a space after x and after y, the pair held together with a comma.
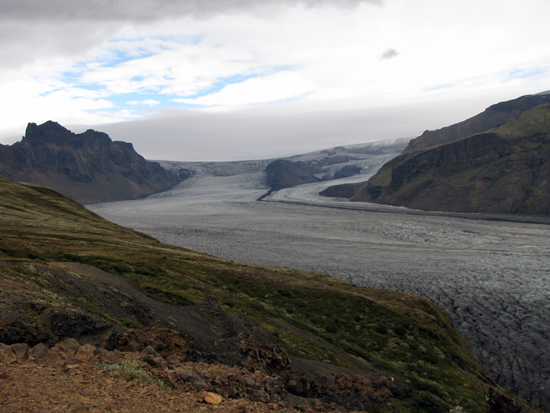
x: 85, y: 378
x: 89, y: 379
x: 76, y: 378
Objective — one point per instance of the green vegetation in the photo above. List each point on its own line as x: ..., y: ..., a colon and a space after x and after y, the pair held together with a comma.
x: 129, y: 323
x: 417, y: 183
x: 133, y: 370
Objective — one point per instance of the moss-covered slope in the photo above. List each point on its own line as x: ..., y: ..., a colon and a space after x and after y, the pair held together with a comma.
x: 492, y: 117
x: 502, y: 170
x: 49, y: 246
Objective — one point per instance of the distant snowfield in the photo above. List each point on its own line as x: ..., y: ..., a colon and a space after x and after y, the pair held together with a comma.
x: 493, y: 277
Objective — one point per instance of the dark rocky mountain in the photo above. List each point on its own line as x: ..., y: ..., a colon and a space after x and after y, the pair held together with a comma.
x: 283, y: 173
x: 501, y: 170
x: 493, y: 117
x: 88, y: 167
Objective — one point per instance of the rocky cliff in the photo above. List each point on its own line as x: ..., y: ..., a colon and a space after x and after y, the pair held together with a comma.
x: 502, y: 170
x: 88, y: 167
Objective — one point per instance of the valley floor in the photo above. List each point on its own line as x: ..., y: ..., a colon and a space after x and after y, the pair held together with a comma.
x: 493, y: 277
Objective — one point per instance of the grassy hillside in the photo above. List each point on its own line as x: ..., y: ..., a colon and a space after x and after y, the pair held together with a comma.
x: 502, y: 170
x: 492, y: 117
x: 50, y: 247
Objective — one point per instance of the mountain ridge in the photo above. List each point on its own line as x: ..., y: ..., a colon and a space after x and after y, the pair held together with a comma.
x: 492, y: 117
x: 500, y: 170
x: 88, y: 167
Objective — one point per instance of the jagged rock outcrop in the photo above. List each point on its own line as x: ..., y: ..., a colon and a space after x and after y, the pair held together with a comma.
x: 88, y: 167
x: 164, y: 341
x: 503, y: 170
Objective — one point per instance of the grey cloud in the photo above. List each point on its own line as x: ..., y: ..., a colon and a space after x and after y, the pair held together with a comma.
x: 25, y: 42
x: 32, y: 29
x: 278, y: 130
x: 268, y: 133
x: 389, y: 54
x: 131, y: 10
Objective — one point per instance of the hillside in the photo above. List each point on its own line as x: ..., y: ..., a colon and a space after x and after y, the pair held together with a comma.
x: 492, y: 117
x: 502, y: 170
x: 87, y: 167
x: 68, y: 273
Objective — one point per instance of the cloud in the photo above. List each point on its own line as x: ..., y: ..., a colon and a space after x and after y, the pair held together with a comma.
x: 277, y: 87
x: 31, y: 30
x: 282, y: 129
x: 389, y: 54
x: 98, y: 62
x: 23, y: 43
x: 147, y: 10
x: 148, y: 102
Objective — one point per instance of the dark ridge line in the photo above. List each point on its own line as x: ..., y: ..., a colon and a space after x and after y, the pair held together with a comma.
x: 265, y: 195
x: 523, y: 219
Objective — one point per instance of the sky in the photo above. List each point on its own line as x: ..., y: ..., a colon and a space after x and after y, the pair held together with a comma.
x: 215, y: 80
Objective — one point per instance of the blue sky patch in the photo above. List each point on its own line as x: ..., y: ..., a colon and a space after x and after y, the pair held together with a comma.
x: 221, y: 83
x: 120, y: 57
x: 121, y: 101
x: 440, y: 87
x: 525, y: 73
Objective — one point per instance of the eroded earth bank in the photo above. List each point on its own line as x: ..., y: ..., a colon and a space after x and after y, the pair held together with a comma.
x: 491, y: 276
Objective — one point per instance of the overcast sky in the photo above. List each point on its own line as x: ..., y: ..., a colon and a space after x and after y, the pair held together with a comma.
x: 250, y: 79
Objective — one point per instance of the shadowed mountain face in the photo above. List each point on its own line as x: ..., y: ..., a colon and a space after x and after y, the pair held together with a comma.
x: 502, y: 170
x: 283, y: 173
x: 493, y: 117
x: 87, y: 167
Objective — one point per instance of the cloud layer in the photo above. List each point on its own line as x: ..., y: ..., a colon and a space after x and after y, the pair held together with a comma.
x: 144, y: 10
x: 107, y: 62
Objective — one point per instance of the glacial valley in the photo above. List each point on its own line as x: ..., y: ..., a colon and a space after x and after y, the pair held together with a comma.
x: 490, y: 274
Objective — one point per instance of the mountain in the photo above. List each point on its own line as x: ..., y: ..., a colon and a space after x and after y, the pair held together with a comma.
x: 500, y: 170
x: 333, y: 163
x: 87, y: 167
x: 493, y: 117
x: 324, y: 165
x: 283, y: 173
x: 67, y: 273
